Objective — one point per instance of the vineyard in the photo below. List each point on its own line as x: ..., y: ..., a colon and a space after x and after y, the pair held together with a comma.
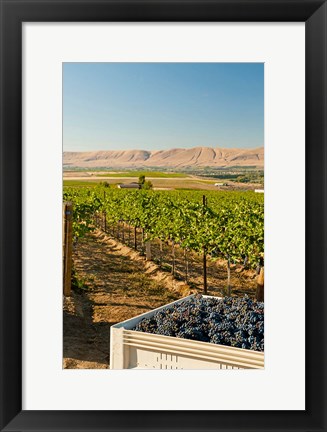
x: 136, y: 250
x: 214, y: 226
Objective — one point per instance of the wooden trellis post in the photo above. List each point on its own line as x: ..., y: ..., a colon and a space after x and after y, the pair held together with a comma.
x: 205, y: 283
x: 67, y: 246
x: 260, y: 282
x: 105, y: 221
x: 135, y: 237
x: 260, y: 286
x: 148, y: 254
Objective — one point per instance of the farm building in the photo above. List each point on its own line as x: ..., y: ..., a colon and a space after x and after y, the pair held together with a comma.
x: 132, y: 185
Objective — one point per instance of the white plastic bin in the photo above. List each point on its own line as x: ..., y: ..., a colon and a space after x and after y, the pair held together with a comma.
x: 130, y: 349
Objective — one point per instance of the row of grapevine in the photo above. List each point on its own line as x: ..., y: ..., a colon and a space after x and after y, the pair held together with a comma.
x: 227, y: 225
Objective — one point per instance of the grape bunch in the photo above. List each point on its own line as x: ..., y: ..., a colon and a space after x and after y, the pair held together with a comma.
x: 232, y: 321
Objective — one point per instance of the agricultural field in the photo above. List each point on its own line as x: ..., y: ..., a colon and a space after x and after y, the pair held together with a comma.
x: 160, y: 180
x: 135, y: 250
x: 149, y: 174
x: 225, y: 224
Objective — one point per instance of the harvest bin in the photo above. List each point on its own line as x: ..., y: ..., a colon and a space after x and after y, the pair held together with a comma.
x: 130, y: 349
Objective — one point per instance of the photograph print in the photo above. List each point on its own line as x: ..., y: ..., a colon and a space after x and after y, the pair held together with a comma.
x: 163, y: 215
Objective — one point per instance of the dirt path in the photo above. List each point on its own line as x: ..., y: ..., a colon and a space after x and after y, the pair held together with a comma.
x: 116, y: 287
x: 116, y: 283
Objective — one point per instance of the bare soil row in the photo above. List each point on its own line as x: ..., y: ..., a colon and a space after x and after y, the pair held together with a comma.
x: 115, y: 283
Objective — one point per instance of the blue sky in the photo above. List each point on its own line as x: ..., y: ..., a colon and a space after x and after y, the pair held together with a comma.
x: 157, y: 106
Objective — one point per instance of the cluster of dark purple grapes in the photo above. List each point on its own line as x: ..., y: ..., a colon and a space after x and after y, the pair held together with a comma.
x: 232, y: 321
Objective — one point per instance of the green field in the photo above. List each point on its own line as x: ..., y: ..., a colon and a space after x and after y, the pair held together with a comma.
x: 81, y: 183
x: 155, y: 174
x: 166, y: 182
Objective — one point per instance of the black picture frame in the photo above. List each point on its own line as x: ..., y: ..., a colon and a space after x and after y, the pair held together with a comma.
x: 13, y: 14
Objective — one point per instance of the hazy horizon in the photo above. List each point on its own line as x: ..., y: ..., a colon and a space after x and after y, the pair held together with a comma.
x: 161, y: 106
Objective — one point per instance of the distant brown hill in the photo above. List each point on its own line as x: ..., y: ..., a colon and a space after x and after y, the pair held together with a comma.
x: 195, y: 157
